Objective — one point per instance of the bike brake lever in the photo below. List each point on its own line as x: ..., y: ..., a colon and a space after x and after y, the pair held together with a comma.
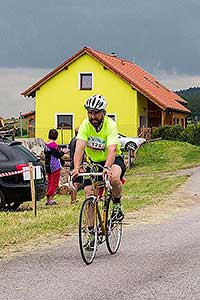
x: 107, y: 182
x: 70, y: 183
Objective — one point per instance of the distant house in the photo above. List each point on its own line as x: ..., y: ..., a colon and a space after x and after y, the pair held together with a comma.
x: 30, y: 116
x: 135, y: 98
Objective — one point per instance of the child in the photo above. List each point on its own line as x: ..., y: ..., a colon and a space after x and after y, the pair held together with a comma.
x: 53, y: 165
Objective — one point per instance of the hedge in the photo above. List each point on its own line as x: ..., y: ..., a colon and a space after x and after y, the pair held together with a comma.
x: 191, y: 134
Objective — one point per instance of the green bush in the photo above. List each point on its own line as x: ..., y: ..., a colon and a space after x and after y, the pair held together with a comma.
x: 160, y: 132
x: 188, y: 135
x: 18, y: 132
x: 191, y: 134
x: 169, y: 132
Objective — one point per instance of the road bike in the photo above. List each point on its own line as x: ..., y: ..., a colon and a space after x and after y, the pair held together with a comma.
x: 95, y: 218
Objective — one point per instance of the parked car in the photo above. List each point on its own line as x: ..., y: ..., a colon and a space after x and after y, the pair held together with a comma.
x: 14, y: 190
x: 130, y: 143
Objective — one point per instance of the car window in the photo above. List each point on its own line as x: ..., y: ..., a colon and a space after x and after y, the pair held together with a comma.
x: 25, y: 152
x: 121, y: 135
x: 3, y: 157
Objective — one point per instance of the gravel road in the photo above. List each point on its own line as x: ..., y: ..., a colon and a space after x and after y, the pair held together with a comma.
x: 159, y: 259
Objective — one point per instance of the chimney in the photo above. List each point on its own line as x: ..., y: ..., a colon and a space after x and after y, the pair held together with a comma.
x: 114, y: 54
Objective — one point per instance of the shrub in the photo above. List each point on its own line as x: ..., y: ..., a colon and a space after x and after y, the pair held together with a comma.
x: 169, y: 132
x: 191, y: 134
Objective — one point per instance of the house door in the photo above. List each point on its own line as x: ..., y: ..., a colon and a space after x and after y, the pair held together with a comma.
x: 143, y: 121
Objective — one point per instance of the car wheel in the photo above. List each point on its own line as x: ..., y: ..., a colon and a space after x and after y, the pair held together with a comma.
x: 2, y: 201
x: 130, y: 146
x: 13, y: 206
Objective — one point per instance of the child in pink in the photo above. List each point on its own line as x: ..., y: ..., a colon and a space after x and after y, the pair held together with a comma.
x: 53, y: 165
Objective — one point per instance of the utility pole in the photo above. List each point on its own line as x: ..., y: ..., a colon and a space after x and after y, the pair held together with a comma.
x: 20, y: 122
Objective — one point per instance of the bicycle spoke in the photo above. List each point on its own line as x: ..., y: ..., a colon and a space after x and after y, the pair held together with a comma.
x: 87, y: 237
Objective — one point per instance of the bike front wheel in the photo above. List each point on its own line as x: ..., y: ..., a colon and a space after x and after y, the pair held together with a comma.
x: 114, y: 230
x: 88, y: 230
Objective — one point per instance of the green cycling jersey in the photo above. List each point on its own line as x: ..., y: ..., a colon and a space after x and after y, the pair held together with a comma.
x: 98, y: 142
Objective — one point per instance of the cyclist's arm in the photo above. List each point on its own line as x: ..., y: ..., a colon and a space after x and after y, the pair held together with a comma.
x: 111, y: 156
x: 79, y: 151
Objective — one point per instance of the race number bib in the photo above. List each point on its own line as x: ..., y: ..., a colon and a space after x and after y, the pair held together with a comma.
x: 96, y: 143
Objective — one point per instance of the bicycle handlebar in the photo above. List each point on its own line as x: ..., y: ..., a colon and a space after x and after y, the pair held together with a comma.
x: 90, y: 174
x: 106, y: 179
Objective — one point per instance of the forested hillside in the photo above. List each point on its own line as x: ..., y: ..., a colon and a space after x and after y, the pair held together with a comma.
x: 192, y: 95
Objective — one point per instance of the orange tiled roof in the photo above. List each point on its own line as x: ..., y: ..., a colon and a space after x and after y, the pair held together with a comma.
x: 137, y: 77
x: 30, y: 113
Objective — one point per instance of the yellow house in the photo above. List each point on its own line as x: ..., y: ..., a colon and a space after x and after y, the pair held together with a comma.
x: 135, y: 98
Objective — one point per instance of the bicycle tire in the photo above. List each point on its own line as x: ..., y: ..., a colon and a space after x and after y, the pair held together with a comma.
x: 87, y: 254
x: 114, y: 230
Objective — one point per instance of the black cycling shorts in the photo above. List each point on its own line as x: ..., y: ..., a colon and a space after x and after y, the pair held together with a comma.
x: 118, y: 161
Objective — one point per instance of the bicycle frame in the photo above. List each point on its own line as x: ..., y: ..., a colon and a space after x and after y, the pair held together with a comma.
x: 104, y: 191
x: 102, y: 218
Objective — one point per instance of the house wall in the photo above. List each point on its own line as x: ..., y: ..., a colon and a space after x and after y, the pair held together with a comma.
x: 154, y: 115
x: 61, y: 94
x: 178, y: 119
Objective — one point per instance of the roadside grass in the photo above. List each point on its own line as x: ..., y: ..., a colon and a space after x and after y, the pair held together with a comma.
x: 21, y: 228
x: 166, y: 156
x: 140, y: 192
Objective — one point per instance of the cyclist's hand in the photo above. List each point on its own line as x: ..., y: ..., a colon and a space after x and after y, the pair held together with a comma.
x: 107, y: 171
x: 75, y: 172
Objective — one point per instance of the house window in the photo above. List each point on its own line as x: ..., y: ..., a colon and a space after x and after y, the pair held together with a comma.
x: 143, y: 121
x: 85, y: 81
x: 112, y: 116
x: 64, y: 121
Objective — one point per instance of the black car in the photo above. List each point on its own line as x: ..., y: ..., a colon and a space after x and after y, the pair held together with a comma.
x: 14, y: 190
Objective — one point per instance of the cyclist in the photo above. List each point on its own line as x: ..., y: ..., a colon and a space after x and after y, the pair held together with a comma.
x: 98, y: 137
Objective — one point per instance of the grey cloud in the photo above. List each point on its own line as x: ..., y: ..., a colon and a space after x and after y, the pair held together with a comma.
x: 157, y: 33
x: 12, y: 83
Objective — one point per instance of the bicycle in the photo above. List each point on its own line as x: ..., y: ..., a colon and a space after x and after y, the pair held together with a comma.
x: 96, y: 213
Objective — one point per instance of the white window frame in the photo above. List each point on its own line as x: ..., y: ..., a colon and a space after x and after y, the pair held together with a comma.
x: 79, y: 80
x: 112, y: 114
x: 64, y: 114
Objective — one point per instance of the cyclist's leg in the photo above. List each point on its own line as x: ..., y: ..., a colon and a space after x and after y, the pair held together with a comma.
x: 115, y: 181
x: 118, y: 170
x: 88, y: 190
x: 77, y: 183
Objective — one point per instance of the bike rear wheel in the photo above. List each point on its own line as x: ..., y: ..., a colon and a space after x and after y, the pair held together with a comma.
x: 88, y: 237
x: 114, y: 230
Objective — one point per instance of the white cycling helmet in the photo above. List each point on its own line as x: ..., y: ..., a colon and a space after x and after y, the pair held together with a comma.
x: 96, y: 102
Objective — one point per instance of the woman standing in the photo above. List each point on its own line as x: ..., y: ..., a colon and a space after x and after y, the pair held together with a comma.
x: 53, y: 165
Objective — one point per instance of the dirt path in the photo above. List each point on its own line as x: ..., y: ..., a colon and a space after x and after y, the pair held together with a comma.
x: 185, y: 197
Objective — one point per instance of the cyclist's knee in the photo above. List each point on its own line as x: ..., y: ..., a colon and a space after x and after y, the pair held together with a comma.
x: 115, y: 180
x: 88, y: 190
